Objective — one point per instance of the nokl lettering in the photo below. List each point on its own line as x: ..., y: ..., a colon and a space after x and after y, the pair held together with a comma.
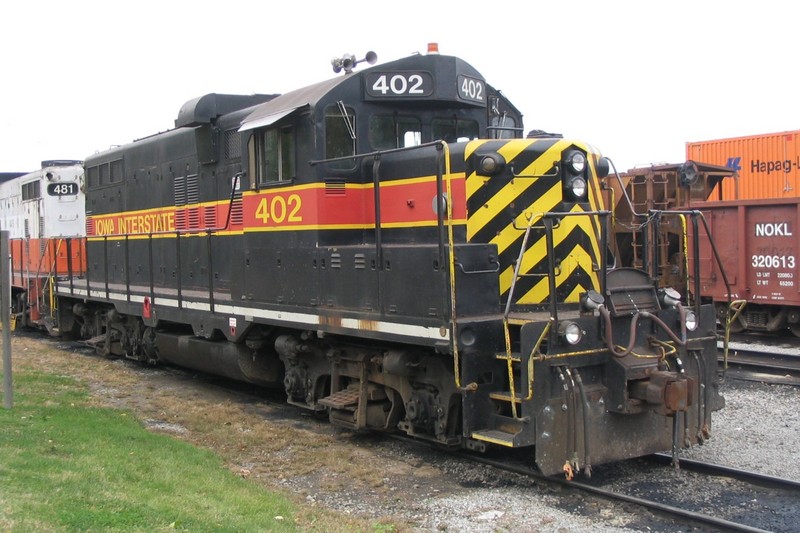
x: 773, y: 229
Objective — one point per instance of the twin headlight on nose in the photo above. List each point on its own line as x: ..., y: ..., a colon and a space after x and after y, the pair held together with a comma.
x: 573, y: 168
x: 574, y: 175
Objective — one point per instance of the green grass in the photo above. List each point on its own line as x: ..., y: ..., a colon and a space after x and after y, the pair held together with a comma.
x: 65, y: 466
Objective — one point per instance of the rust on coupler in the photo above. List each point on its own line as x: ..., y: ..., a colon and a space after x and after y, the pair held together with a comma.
x: 667, y: 391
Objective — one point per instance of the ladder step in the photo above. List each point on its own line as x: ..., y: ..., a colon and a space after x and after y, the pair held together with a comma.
x: 502, y: 356
x: 505, y: 397
x: 94, y: 341
x: 495, y: 436
x: 347, y: 398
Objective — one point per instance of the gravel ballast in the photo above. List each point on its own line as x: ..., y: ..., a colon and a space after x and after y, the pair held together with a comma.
x: 758, y: 430
x: 408, y: 486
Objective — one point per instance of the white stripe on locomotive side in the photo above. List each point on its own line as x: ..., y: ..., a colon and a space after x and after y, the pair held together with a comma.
x: 353, y: 324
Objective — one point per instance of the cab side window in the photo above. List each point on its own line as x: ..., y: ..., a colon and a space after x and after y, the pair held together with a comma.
x: 393, y: 131
x: 340, y: 131
x: 275, y: 154
x: 31, y: 191
x: 504, y: 127
x: 454, y: 130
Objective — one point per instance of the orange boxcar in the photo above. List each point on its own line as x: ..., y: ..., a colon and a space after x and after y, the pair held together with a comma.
x: 768, y: 165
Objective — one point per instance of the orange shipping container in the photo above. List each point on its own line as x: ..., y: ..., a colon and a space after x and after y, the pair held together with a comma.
x: 768, y: 165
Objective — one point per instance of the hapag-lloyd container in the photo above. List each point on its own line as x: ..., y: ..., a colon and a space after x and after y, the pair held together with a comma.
x: 768, y: 165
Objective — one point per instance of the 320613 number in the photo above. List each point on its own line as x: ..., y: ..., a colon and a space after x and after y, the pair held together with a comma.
x: 773, y: 261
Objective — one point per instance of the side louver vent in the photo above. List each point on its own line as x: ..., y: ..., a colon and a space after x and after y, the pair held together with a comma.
x: 335, y: 186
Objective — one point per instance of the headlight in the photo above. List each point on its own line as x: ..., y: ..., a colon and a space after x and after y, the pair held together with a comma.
x: 691, y: 320
x: 576, y: 162
x: 577, y: 186
x: 491, y: 164
x: 592, y: 300
x: 570, y: 332
x: 669, y: 297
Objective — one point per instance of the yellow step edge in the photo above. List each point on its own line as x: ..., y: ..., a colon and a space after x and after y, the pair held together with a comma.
x: 500, y: 441
x: 504, y: 397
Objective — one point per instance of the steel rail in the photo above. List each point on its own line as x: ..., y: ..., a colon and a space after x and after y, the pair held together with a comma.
x: 746, y: 476
x: 693, y: 518
x: 749, y: 363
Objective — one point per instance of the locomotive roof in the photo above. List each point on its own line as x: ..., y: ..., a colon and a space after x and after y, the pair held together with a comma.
x: 8, y: 176
x: 258, y: 110
x: 204, y: 109
x: 272, y: 111
x: 447, y: 68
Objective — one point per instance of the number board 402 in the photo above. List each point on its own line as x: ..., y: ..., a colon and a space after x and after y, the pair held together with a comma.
x: 420, y: 85
x: 471, y: 89
x: 399, y: 84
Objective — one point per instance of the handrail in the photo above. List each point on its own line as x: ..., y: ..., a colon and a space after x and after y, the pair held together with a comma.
x: 208, y: 231
x: 376, y: 193
x: 374, y: 153
x: 105, y: 264
x: 551, y: 280
x: 548, y: 219
x: 551, y: 174
x: 451, y: 263
x: 695, y: 214
x: 603, y: 214
x: 518, y: 264
x: 444, y: 223
x: 210, y: 269
x: 127, y: 270
x: 440, y: 226
x: 179, y: 269
x: 737, y: 306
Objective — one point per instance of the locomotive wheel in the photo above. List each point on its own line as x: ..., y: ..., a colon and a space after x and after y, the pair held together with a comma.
x: 795, y: 329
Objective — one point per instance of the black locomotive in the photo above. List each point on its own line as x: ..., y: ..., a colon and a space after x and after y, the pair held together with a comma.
x: 387, y: 247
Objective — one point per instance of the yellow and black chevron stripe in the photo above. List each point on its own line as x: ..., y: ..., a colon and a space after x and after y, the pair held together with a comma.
x: 499, y: 207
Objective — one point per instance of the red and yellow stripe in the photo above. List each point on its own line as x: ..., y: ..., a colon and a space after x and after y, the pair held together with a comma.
x: 405, y: 203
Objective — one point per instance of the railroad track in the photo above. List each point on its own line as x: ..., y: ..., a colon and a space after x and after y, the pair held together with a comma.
x: 772, y: 494
x: 616, y: 483
x: 762, y: 360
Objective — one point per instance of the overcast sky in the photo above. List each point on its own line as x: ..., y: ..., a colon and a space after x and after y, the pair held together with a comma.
x: 637, y: 79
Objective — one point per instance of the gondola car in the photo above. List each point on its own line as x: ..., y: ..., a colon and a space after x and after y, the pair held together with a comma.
x: 758, y: 243
x: 388, y: 248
